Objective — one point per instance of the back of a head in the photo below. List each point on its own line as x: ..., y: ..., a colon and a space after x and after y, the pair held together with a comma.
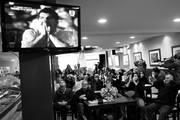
x: 177, y: 56
x: 84, y: 84
x: 62, y: 83
x: 156, y: 70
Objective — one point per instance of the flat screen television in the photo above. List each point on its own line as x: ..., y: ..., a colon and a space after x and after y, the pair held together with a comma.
x: 37, y: 26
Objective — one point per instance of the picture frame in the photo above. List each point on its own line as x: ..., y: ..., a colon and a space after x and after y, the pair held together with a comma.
x: 137, y: 56
x: 125, y: 59
x: 175, y: 49
x: 154, y: 57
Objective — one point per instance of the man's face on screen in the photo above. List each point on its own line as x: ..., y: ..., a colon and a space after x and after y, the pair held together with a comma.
x: 43, y: 17
x: 48, y: 20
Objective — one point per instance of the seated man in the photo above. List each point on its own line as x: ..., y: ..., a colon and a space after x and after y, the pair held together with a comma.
x: 168, y: 90
x: 83, y: 94
x: 62, y: 99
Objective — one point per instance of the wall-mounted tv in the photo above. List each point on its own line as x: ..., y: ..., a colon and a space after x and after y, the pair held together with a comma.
x: 38, y: 26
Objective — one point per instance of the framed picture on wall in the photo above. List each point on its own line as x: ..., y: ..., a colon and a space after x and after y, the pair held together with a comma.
x: 175, y: 49
x: 137, y: 56
x: 126, y: 60
x: 154, y: 57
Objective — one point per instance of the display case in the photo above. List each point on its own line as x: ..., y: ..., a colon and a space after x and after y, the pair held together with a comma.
x: 9, y: 98
x: 10, y: 95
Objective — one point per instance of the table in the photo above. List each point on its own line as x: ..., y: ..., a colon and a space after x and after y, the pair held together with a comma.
x: 122, y: 101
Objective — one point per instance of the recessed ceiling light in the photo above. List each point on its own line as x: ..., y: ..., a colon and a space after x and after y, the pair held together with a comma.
x: 118, y: 42
x: 88, y: 46
x: 11, y: 3
x: 176, y: 20
x: 13, y: 60
x: 85, y: 38
x: 102, y: 20
x: 132, y: 37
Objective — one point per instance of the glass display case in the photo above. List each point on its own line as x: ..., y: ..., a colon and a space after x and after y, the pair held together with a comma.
x: 10, y: 94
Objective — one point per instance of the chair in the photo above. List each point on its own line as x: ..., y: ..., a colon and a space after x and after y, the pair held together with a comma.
x: 69, y: 113
x: 175, y: 111
x: 151, y: 94
x: 174, y: 114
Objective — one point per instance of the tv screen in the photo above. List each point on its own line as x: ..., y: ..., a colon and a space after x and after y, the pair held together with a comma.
x: 32, y: 26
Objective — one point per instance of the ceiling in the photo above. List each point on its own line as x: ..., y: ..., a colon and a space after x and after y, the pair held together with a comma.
x: 142, y: 18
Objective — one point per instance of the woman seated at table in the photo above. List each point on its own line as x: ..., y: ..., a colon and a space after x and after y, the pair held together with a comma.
x: 135, y: 89
x: 109, y: 93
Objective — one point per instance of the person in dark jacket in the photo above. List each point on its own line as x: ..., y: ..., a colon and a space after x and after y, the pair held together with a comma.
x: 143, y: 78
x: 173, y: 64
x: 157, y: 74
x: 62, y: 99
x: 136, y: 86
x: 84, y: 94
x: 168, y: 90
x: 97, y: 84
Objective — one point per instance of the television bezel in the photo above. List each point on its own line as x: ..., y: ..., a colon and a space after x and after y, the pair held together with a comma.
x: 51, y: 50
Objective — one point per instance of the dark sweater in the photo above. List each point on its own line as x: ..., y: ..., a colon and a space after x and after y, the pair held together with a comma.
x: 166, y: 93
x: 90, y: 95
x: 63, y: 95
x: 174, y: 68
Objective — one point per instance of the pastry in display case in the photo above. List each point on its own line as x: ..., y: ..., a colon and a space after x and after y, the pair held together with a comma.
x: 10, y: 93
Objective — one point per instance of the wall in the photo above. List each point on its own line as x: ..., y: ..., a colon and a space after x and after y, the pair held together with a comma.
x: 164, y: 43
x: 88, y: 59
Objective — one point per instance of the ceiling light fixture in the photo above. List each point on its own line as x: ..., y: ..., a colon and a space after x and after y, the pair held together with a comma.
x: 11, y: 3
x: 176, y: 20
x: 132, y: 37
x: 118, y: 42
x: 13, y: 60
x: 102, y: 20
x: 85, y: 38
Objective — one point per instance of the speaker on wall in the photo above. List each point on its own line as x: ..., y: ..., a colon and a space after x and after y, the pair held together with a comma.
x: 113, y: 52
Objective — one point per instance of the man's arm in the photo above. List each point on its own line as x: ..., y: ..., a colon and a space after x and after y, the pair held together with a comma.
x: 158, y: 84
x: 91, y: 95
x: 57, y: 42
x: 30, y: 38
x: 171, y: 64
x: 177, y: 84
x: 56, y: 96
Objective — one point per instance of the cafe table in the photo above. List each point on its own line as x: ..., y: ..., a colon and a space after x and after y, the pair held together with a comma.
x: 114, y: 104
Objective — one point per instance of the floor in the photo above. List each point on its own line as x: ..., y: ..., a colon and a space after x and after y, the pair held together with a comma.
x: 18, y: 116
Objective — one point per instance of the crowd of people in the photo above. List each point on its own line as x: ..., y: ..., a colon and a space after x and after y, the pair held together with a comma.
x: 112, y: 84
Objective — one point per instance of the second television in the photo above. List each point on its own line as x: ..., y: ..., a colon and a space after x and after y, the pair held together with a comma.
x: 34, y: 26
